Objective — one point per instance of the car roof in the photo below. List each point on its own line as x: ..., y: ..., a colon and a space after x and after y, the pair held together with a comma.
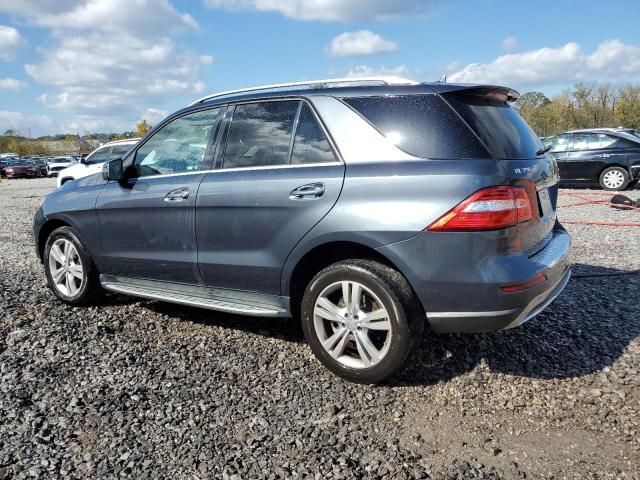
x: 345, y: 92
x: 121, y: 141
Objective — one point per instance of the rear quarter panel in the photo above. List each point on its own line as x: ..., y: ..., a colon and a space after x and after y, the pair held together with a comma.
x: 387, y: 202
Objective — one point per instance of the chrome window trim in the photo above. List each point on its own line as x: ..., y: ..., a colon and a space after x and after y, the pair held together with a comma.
x: 237, y: 169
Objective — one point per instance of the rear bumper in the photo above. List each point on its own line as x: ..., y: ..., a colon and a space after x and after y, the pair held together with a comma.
x: 458, y: 278
x: 443, y: 322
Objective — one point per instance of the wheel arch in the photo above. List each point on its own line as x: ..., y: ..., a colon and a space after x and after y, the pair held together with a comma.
x: 322, y: 256
x: 611, y: 165
x: 47, y: 228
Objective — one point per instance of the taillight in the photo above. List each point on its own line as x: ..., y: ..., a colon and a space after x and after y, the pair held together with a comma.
x: 491, y: 208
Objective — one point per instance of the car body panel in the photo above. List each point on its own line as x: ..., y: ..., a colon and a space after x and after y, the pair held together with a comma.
x: 248, y: 222
x: 144, y: 236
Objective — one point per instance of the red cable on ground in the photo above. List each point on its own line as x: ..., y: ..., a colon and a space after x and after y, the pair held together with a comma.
x: 604, y: 224
x: 586, y: 201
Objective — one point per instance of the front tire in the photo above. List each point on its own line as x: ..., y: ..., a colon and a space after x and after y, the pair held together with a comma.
x: 71, y: 273
x: 614, y: 179
x: 361, y: 320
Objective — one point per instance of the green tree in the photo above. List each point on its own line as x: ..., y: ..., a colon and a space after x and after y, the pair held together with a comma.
x: 142, y: 127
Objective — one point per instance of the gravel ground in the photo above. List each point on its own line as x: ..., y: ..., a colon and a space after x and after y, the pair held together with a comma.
x: 143, y: 389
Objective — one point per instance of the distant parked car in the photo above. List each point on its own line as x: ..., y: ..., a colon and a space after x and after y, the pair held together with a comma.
x: 41, y: 166
x: 3, y: 165
x: 57, y: 164
x: 93, y: 163
x: 610, y: 157
x: 20, y: 168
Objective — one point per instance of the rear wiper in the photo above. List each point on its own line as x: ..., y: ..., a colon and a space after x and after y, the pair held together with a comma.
x: 542, y: 151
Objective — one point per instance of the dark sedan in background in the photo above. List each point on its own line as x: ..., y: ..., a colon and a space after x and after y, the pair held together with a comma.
x: 605, y: 156
x: 20, y: 169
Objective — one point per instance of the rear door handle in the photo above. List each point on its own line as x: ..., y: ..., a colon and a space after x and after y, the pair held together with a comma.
x: 177, y: 195
x: 307, y: 192
x: 605, y: 155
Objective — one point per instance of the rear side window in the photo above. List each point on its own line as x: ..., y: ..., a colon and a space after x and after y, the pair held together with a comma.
x: 260, y: 134
x: 422, y: 125
x: 310, y: 144
x: 499, y: 126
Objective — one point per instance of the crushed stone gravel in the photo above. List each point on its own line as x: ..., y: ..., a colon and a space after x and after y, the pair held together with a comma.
x: 142, y: 389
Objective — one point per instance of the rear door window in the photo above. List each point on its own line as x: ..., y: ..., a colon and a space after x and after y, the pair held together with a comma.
x: 421, y: 125
x: 499, y: 126
x: 260, y: 134
x: 310, y: 144
x: 589, y: 141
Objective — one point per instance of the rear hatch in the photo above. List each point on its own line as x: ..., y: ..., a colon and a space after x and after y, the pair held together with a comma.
x: 488, y: 112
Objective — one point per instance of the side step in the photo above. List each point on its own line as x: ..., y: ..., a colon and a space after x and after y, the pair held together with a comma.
x: 224, y: 300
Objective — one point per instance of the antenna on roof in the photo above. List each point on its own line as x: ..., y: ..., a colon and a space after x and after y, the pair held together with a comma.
x: 443, y: 79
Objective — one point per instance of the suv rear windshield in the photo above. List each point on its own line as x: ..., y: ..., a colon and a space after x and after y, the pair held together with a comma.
x: 501, y: 128
x: 422, y: 125
x: 425, y: 126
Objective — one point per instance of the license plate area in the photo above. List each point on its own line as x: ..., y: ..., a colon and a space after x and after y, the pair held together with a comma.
x: 545, y: 202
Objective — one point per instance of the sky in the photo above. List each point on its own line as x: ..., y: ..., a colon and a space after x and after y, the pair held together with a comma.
x: 88, y: 66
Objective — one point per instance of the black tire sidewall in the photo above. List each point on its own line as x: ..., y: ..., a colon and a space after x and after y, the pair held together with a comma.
x: 88, y: 271
x: 401, y: 343
x: 624, y: 185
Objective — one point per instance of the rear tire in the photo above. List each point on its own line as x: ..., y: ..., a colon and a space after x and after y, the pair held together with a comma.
x: 614, y: 179
x: 71, y: 273
x: 368, y: 337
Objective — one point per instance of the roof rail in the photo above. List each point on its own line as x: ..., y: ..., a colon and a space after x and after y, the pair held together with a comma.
x: 313, y: 84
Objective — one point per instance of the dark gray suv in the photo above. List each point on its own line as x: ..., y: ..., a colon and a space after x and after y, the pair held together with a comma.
x: 365, y: 207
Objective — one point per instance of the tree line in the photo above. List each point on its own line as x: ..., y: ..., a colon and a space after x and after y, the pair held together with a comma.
x: 585, y: 105
x: 13, y: 142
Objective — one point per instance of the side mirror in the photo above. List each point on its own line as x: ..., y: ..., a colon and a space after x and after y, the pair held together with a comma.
x: 113, y: 170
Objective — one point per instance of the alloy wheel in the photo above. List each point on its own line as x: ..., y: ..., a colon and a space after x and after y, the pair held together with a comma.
x: 352, y: 324
x: 65, y: 267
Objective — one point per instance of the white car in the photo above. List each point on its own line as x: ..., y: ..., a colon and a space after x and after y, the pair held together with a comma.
x: 94, y: 161
x: 57, y: 164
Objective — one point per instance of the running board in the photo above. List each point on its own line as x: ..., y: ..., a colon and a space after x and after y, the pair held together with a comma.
x: 223, y: 300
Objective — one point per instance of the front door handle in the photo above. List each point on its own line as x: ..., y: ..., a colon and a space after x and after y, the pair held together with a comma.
x: 605, y: 155
x: 177, y: 195
x: 307, y: 192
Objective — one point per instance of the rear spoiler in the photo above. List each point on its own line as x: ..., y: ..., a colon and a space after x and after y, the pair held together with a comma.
x: 495, y: 91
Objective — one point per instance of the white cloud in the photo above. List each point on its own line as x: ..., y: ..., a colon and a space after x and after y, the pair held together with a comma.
x: 23, y: 124
x: 367, y: 71
x: 109, y: 61
x: 154, y: 115
x: 12, y: 84
x: 144, y: 17
x: 363, y: 42
x: 328, y: 10
x: 510, y: 44
x: 10, y: 42
x: 546, y: 66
